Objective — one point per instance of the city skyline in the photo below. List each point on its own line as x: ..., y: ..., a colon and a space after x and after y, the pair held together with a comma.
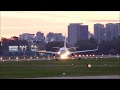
x: 14, y: 23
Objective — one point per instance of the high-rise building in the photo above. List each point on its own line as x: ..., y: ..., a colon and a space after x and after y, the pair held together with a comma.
x: 118, y: 28
x: 77, y: 31
x: 112, y: 30
x: 31, y: 37
x: 83, y: 32
x: 40, y: 37
x: 99, y: 32
x: 26, y: 36
x: 54, y: 37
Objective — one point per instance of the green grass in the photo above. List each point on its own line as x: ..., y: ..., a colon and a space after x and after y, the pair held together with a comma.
x: 51, y: 68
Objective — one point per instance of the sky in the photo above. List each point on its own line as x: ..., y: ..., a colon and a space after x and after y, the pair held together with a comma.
x: 14, y: 23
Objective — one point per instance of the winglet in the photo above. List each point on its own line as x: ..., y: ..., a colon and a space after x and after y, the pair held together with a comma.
x: 97, y: 47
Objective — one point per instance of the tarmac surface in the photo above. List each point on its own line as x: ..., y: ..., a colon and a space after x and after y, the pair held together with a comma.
x: 77, y: 77
x: 80, y: 77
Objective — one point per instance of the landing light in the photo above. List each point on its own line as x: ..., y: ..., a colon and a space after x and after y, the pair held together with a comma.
x: 58, y: 52
x: 67, y: 52
x: 63, y: 56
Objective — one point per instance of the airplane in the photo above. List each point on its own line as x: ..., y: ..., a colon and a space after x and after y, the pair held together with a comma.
x: 64, y: 51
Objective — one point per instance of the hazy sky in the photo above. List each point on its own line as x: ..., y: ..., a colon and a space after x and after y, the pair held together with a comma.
x: 14, y: 23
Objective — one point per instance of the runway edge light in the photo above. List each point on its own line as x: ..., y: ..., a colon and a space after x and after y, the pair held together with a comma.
x: 89, y: 65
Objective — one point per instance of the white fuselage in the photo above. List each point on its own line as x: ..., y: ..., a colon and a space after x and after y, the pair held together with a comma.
x: 63, y: 50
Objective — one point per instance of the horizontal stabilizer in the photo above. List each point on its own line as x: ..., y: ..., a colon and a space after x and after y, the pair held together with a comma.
x: 73, y: 47
x: 56, y: 47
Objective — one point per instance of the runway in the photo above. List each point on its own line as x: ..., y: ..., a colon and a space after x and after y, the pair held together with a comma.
x: 82, y: 57
x: 80, y: 77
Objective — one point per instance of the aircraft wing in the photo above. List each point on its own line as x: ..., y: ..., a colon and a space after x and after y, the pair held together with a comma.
x: 85, y: 50
x: 44, y: 51
x: 51, y: 52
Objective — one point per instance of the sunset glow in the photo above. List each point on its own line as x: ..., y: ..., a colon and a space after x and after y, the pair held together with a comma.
x: 14, y: 23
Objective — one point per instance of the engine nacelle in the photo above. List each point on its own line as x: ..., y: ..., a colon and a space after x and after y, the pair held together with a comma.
x: 54, y: 54
x: 72, y: 54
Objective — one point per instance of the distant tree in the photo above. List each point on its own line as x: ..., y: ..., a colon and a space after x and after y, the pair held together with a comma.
x: 112, y: 51
x: 110, y: 47
x: 53, y: 44
x: 86, y: 44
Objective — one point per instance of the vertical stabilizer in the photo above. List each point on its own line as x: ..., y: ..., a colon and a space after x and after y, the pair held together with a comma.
x: 65, y: 41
